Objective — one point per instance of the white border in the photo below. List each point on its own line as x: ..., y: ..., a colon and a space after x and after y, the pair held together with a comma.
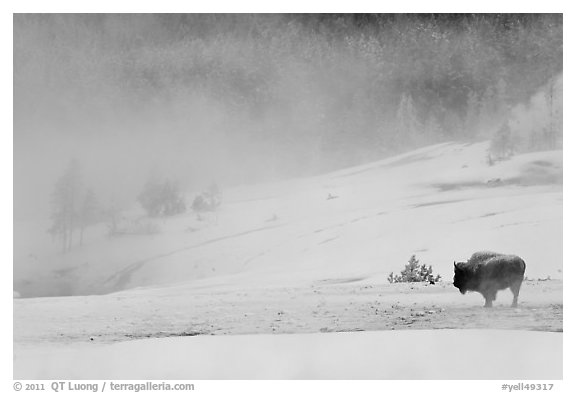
x: 6, y: 165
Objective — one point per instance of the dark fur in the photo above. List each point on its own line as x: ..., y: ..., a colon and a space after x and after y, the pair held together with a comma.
x: 488, y: 272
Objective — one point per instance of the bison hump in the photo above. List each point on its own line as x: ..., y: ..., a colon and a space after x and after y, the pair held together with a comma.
x: 483, y: 256
x: 504, y: 264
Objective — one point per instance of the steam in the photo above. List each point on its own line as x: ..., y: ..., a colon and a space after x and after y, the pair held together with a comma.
x: 236, y: 99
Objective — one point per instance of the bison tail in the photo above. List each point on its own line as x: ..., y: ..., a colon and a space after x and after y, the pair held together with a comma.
x: 522, y: 265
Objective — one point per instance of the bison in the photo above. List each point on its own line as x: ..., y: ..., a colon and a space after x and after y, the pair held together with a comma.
x: 488, y: 272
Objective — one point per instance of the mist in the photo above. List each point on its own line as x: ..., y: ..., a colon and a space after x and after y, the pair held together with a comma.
x: 291, y: 186
x: 236, y: 99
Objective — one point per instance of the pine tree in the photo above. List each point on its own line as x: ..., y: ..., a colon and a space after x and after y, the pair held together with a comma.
x: 407, y: 119
x: 553, y: 130
x: 161, y: 198
x: 502, y: 146
x: 88, y: 212
x: 488, y: 108
x: 433, y: 129
x: 65, y: 205
x: 472, y: 113
x: 112, y: 216
x: 414, y: 272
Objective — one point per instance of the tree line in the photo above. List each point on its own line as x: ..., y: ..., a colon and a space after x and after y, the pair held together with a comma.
x: 337, y: 89
x: 75, y: 207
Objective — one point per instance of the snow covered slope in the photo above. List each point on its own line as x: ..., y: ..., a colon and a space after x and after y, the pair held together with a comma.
x: 286, y: 258
x: 440, y: 203
x: 432, y: 354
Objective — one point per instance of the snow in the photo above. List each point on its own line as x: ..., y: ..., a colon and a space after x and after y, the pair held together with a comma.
x: 424, y: 354
x: 282, y: 258
x: 215, y: 306
x: 434, y: 202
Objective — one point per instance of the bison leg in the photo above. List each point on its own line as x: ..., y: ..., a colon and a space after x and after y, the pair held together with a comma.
x: 515, y: 288
x: 489, y: 297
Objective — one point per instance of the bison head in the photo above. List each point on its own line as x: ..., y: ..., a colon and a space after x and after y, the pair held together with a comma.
x: 461, y: 277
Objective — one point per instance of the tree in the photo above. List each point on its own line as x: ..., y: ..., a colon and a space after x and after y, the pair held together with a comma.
x: 150, y: 197
x: 472, y: 113
x: 432, y: 129
x: 64, y: 202
x: 414, y: 272
x: 407, y: 119
x: 112, y: 216
x: 214, y: 195
x: 552, y: 132
x: 88, y: 212
x: 209, y: 200
x: 161, y: 198
x: 501, y: 145
x: 488, y: 107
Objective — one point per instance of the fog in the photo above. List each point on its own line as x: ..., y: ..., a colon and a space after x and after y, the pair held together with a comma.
x: 73, y: 102
x: 288, y: 177
x: 237, y: 99
x: 127, y: 96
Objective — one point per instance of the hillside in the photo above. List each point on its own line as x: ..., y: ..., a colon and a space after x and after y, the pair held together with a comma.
x: 255, y: 196
x: 440, y: 203
x: 285, y: 258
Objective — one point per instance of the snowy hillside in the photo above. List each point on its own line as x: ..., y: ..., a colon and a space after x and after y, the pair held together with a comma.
x: 286, y: 258
x: 440, y: 203
x: 215, y: 196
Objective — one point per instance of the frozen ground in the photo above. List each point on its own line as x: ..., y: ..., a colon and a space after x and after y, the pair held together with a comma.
x: 86, y: 337
x: 283, y: 258
x: 325, y: 306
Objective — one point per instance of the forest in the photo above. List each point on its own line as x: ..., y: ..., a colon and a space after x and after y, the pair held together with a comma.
x: 235, y: 98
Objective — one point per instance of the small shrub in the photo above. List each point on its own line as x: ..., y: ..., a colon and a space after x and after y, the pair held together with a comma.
x: 209, y: 200
x: 200, y: 204
x: 414, y: 272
